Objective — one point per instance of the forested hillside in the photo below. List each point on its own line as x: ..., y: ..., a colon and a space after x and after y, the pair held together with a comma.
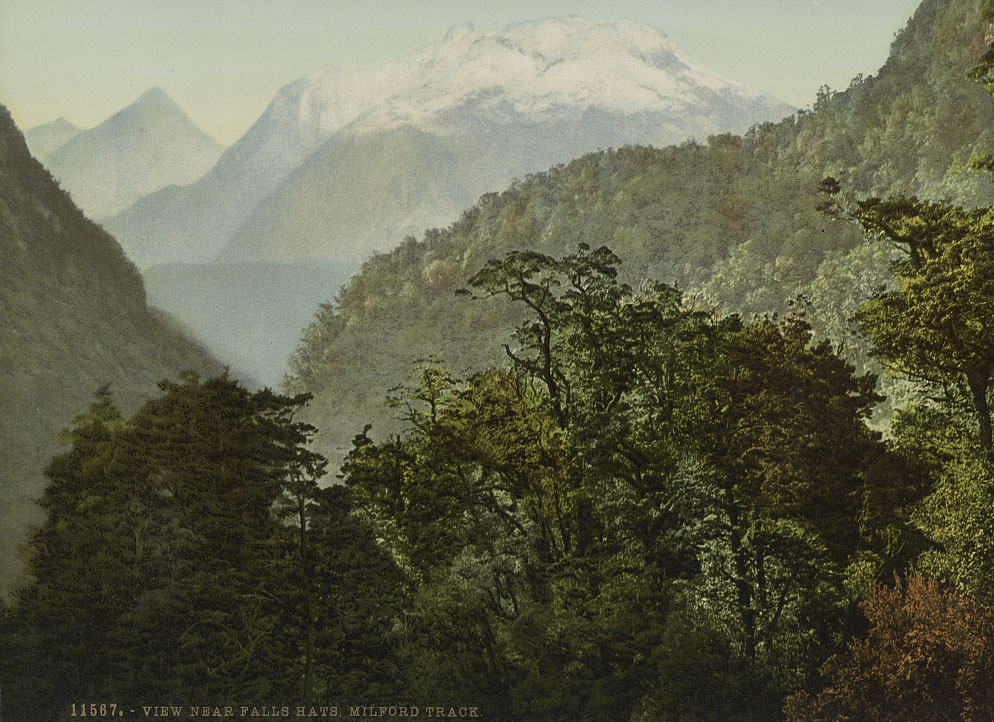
x: 647, y: 513
x: 734, y: 218
x: 74, y: 320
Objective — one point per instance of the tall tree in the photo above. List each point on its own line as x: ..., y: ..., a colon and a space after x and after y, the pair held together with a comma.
x: 935, y: 326
x: 786, y: 468
x: 161, y: 567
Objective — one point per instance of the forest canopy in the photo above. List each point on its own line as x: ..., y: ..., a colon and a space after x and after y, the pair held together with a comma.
x: 647, y: 510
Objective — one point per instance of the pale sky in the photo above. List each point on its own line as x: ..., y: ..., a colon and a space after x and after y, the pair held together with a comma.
x: 223, y: 60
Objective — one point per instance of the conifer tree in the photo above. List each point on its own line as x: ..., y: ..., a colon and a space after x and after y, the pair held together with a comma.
x: 163, y: 567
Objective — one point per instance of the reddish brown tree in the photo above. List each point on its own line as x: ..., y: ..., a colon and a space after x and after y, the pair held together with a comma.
x: 928, y: 655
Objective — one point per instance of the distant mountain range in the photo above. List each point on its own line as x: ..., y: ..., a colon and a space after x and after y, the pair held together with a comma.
x: 346, y: 162
x: 147, y: 146
x: 343, y: 161
x: 74, y: 320
x: 43, y: 140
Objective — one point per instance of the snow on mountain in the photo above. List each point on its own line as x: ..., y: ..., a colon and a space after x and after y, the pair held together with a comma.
x: 467, y: 114
x: 140, y: 149
x: 533, y: 72
x: 605, y: 83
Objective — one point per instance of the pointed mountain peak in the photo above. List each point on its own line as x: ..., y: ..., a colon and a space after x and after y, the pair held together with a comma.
x: 45, y: 139
x: 155, y: 92
x: 156, y: 106
x: 456, y: 32
x: 158, y: 99
x: 61, y: 123
x: 148, y: 145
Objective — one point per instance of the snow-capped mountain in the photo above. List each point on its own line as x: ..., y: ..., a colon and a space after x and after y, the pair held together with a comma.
x: 532, y: 72
x: 138, y: 150
x: 567, y: 85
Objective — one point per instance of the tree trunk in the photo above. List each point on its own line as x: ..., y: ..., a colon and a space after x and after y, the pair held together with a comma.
x: 307, y: 683
x: 740, y: 572
x: 978, y: 383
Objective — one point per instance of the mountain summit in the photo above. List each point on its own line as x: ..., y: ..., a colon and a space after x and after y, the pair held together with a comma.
x: 497, y: 104
x: 537, y: 71
x: 43, y: 140
x: 147, y: 146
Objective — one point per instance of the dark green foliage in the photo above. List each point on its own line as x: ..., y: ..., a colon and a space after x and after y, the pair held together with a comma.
x: 789, y: 474
x: 189, y: 555
x: 342, y: 596
x: 72, y: 319
x: 639, y: 471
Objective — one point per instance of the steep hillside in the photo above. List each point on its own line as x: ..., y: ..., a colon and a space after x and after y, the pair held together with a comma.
x: 735, y: 217
x: 149, y: 145
x: 913, y: 126
x: 671, y: 214
x: 74, y: 320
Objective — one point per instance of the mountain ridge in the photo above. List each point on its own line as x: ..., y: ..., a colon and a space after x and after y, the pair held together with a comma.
x: 45, y: 139
x: 465, y: 83
x: 146, y: 146
x: 733, y: 221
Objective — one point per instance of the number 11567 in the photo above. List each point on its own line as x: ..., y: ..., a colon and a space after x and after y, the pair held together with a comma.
x: 94, y: 710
